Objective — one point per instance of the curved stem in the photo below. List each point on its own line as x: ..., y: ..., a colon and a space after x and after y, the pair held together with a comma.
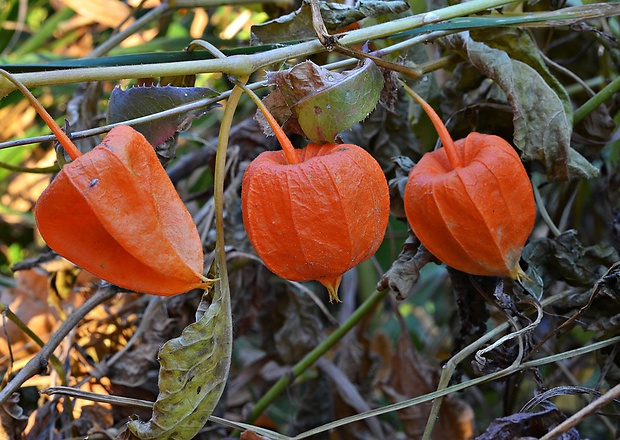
x: 62, y: 137
x: 220, y: 176
x: 442, y: 131
x: 285, y: 142
x: 540, y: 204
x: 591, y: 104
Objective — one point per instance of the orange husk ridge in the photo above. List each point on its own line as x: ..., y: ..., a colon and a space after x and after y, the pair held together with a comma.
x: 115, y: 213
x: 300, y: 237
x: 471, y: 203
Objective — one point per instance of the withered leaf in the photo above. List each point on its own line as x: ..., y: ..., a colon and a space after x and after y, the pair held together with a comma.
x: 298, y: 25
x: 405, y: 271
x: 136, y: 102
x: 541, y: 126
x: 12, y: 418
x: 531, y: 425
x: 194, y: 370
x: 412, y: 376
x: 323, y: 103
x: 566, y: 258
x: 301, y: 331
x: 518, y: 44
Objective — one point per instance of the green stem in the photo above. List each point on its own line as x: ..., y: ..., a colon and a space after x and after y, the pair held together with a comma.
x: 450, y: 367
x: 44, y: 170
x: 242, y: 65
x: 218, y: 201
x: 195, y: 105
x: 56, y: 363
x: 592, y: 103
x: 460, y: 386
x: 220, y: 175
x: 364, y: 309
x: 285, y: 142
x: 442, y: 131
x: 540, y: 204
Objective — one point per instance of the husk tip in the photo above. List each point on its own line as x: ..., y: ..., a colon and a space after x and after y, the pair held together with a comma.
x: 332, y: 284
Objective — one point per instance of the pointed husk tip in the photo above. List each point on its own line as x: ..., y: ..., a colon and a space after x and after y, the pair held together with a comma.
x: 332, y: 284
x: 518, y: 274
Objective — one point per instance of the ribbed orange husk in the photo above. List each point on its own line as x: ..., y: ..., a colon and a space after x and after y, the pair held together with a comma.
x: 319, y: 218
x: 477, y: 217
x: 115, y: 213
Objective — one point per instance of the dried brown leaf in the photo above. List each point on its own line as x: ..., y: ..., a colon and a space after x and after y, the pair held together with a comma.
x: 12, y: 418
x: 531, y: 425
x: 251, y: 435
x: 413, y: 376
x: 28, y: 300
x: 350, y: 395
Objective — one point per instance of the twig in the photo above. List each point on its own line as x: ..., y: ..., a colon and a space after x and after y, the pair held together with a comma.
x: 146, y: 404
x: 576, y: 418
x: 461, y: 386
x: 240, y: 65
x: 573, y: 318
x: 56, y: 364
x: 136, y: 26
x: 152, y: 307
x: 540, y: 204
x: 450, y: 366
x: 331, y: 43
x: 39, y: 362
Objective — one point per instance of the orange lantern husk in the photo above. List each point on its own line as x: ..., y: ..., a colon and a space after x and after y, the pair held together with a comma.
x: 114, y: 212
x: 316, y: 219
x: 471, y: 203
x: 314, y: 213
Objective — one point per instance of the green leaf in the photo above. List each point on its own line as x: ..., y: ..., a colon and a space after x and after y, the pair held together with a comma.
x: 318, y: 103
x: 542, y: 129
x: 194, y: 369
x: 338, y: 107
x: 136, y: 102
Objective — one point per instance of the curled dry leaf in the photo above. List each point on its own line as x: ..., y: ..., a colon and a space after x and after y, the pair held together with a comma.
x: 528, y: 425
x: 12, y: 418
x: 298, y: 24
x: 405, y: 270
x: 324, y: 103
